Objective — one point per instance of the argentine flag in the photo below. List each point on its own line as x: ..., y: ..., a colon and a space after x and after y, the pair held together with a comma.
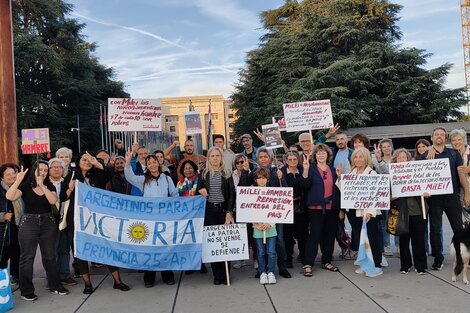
x: 365, y: 260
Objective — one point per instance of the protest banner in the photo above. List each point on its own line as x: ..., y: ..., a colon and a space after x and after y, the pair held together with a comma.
x: 265, y: 205
x: 141, y: 233
x: 281, y: 121
x: 6, y: 295
x: 192, y: 122
x: 125, y: 114
x: 365, y: 191
x: 417, y: 177
x: 308, y: 115
x: 225, y: 243
x: 35, y: 140
x: 272, y: 136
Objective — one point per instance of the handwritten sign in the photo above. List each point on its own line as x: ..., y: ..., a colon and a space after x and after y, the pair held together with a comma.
x: 272, y: 135
x: 265, y: 205
x: 308, y: 115
x: 281, y: 121
x: 35, y: 140
x: 193, y: 123
x: 126, y: 114
x: 417, y: 177
x: 225, y: 243
x: 365, y: 191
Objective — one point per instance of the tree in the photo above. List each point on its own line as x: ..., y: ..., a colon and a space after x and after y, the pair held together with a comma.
x: 57, y: 75
x: 347, y: 51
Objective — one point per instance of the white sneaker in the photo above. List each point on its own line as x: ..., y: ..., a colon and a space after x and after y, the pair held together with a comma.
x: 359, y: 271
x: 271, y: 278
x: 263, y: 279
x: 384, y: 262
x: 388, y: 251
x: 376, y: 272
x: 255, y: 264
x: 356, y: 262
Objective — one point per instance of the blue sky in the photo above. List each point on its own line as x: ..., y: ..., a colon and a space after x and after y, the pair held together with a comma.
x: 165, y: 48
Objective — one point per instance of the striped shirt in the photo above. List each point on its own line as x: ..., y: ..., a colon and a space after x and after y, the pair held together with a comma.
x: 215, y: 188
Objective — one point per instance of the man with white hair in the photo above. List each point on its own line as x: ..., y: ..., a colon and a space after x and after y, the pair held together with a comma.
x: 65, y: 218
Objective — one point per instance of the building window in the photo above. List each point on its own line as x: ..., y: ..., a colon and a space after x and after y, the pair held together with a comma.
x: 231, y: 125
x: 232, y: 136
x: 230, y: 115
x: 172, y: 129
x: 171, y: 118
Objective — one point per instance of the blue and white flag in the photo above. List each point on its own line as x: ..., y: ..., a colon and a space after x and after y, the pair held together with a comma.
x: 142, y: 233
x: 365, y: 260
x: 6, y: 296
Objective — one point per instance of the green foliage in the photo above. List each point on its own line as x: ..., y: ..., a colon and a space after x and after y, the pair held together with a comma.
x: 57, y: 75
x: 346, y: 51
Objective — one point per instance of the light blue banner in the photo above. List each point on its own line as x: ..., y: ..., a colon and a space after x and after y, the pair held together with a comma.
x: 138, y: 232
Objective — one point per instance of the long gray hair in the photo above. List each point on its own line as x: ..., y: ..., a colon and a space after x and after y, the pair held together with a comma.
x: 223, y: 167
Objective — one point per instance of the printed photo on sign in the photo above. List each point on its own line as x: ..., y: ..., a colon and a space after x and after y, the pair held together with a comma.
x: 125, y: 114
x: 192, y: 123
x: 309, y: 115
x: 418, y: 177
x: 35, y: 140
x: 281, y: 121
x: 365, y: 192
x: 265, y: 205
x: 272, y: 136
x: 225, y: 243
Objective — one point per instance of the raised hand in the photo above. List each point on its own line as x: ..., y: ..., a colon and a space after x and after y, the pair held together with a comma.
x: 246, y: 164
x: 21, y: 174
x: 333, y: 130
x: 377, y: 152
x: 128, y: 157
x: 72, y: 181
x: 259, y: 135
x: 305, y: 161
x: 135, y: 147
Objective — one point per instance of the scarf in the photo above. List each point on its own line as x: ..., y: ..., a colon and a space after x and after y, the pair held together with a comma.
x: 187, y: 187
x: 18, y: 205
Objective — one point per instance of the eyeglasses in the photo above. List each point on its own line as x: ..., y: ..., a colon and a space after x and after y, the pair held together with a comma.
x: 240, y: 162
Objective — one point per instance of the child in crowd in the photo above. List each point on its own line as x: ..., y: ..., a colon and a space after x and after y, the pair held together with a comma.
x: 261, y: 230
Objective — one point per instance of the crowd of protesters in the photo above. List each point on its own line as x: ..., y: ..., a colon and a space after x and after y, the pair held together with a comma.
x: 37, y: 204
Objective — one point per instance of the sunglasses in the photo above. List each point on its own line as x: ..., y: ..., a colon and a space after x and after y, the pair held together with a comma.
x: 240, y: 162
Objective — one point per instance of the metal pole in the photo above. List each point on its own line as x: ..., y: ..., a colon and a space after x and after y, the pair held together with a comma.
x: 101, y: 126
x: 78, y: 131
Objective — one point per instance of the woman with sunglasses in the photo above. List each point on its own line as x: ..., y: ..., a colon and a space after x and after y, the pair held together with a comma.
x: 293, y: 171
x: 322, y: 201
x: 154, y: 183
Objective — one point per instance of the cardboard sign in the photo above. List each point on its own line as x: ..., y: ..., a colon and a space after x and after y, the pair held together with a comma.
x: 281, y: 121
x: 35, y: 140
x: 265, y: 205
x: 126, y: 114
x: 192, y: 121
x: 308, y: 115
x: 365, y: 191
x: 417, y: 177
x: 225, y: 243
x: 272, y: 135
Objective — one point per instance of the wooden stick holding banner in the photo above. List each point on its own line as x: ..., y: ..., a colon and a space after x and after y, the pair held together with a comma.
x: 264, y: 236
x: 423, y: 206
x: 227, y: 273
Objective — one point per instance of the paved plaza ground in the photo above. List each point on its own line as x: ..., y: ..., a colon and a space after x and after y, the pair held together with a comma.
x: 324, y: 292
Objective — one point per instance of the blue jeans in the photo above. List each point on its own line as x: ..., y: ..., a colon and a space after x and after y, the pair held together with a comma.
x: 270, y: 250
x: 281, y: 248
x: 37, y: 229
x: 63, y: 253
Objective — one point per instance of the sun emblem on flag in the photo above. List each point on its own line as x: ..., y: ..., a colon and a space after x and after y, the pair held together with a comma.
x: 366, y: 245
x: 138, y: 232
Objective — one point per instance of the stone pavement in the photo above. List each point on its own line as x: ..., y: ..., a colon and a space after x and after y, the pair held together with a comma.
x: 325, y: 291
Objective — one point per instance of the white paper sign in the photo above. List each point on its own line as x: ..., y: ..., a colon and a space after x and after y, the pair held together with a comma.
x: 308, y: 115
x: 192, y: 122
x: 365, y: 191
x: 225, y: 243
x: 272, y: 136
x: 125, y: 114
x: 265, y: 205
x: 417, y: 177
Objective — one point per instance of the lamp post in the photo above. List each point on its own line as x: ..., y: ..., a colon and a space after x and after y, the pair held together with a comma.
x: 78, y: 132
